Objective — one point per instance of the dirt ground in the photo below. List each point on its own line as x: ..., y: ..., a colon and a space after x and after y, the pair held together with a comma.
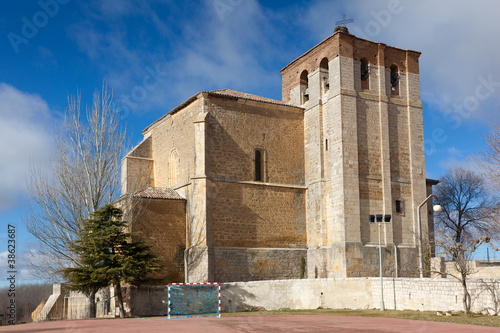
x: 268, y: 323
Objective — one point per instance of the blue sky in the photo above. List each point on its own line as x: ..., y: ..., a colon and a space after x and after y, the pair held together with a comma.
x: 155, y: 54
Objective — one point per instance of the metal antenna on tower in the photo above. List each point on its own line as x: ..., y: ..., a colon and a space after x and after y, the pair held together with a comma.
x: 344, y: 21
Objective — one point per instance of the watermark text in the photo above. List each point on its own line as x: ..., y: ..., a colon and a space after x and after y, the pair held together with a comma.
x: 11, y: 274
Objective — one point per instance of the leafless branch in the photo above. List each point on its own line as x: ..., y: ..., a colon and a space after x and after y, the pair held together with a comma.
x: 85, y: 176
x: 468, y: 208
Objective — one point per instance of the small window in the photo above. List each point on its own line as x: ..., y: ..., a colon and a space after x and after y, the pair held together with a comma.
x: 326, y: 144
x: 394, y: 80
x: 259, y: 165
x: 365, y: 74
x: 174, y: 166
x: 323, y: 65
x: 304, y: 86
x: 399, y: 207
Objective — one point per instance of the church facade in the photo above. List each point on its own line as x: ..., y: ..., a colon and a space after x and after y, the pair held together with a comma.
x: 238, y: 187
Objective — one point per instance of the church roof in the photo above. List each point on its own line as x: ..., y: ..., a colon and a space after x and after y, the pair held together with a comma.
x: 221, y: 93
x: 229, y: 93
x: 158, y: 193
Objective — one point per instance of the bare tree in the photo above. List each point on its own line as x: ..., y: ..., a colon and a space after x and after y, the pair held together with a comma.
x: 489, y: 158
x: 491, y: 288
x: 461, y: 256
x: 85, y: 176
x: 469, y: 210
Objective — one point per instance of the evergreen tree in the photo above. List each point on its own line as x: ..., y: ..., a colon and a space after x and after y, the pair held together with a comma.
x: 108, y: 257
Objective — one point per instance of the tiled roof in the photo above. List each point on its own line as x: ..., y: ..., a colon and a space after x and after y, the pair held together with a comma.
x: 237, y: 94
x: 222, y: 93
x: 158, y: 193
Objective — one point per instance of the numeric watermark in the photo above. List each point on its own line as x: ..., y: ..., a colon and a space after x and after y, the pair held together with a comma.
x: 11, y: 273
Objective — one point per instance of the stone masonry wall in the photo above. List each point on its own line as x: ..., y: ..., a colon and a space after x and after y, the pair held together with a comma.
x: 250, y: 215
x: 310, y: 62
x: 137, y: 168
x: 398, y: 140
x: 378, y: 152
x: 162, y: 224
x: 347, y: 45
x: 254, y: 228
x: 176, y: 131
x: 238, y: 128
x: 251, y: 264
x: 136, y: 174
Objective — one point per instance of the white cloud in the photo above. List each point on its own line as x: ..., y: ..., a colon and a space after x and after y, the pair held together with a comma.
x: 111, y: 48
x: 454, y: 151
x: 3, y: 259
x: 24, y: 123
x: 238, y: 45
x: 209, y: 49
x: 463, y: 162
x: 233, y: 45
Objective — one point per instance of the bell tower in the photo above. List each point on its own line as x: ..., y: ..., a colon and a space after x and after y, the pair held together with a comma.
x: 364, y: 154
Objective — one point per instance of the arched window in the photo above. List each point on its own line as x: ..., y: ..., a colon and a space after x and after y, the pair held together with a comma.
x: 323, y: 65
x: 394, y: 80
x: 304, y: 86
x: 173, y: 166
x: 365, y: 74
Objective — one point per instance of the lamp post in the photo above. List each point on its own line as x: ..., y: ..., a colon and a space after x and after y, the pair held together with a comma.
x: 436, y: 208
x: 387, y: 219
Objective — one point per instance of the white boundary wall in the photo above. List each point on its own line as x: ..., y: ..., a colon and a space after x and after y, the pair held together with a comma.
x: 360, y: 293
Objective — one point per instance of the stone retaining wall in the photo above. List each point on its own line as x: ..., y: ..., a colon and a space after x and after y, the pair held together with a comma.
x: 425, y: 294
x: 360, y: 293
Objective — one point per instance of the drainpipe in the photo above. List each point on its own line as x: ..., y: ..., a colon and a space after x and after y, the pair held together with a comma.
x: 396, y: 258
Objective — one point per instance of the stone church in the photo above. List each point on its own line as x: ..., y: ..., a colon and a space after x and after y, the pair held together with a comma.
x: 237, y: 187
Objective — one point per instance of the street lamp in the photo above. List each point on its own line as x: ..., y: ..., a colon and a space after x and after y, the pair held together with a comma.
x: 387, y: 219
x: 436, y: 208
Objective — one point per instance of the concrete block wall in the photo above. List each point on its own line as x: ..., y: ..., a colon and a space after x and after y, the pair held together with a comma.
x: 54, y: 307
x: 480, y: 269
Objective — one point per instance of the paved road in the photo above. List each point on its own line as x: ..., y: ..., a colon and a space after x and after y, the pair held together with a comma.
x: 250, y: 324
